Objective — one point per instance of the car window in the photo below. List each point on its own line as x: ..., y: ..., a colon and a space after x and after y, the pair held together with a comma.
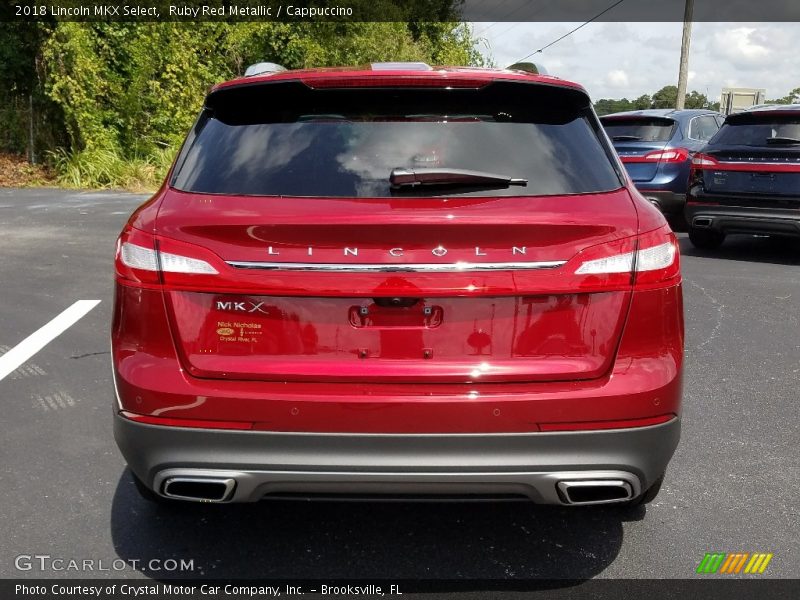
x: 703, y: 128
x: 345, y: 143
x: 639, y: 129
x: 757, y: 130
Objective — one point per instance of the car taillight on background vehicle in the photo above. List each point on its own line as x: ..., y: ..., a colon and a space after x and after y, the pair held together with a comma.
x: 672, y: 155
x: 704, y: 160
x: 700, y: 162
x: 141, y: 258
x: 650, y: 260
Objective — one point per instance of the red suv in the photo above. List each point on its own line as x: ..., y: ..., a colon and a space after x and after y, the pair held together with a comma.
x: 398, y: 280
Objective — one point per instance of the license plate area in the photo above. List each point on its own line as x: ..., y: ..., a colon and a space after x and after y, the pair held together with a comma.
x: 418, y: 316
x: 763, y: 183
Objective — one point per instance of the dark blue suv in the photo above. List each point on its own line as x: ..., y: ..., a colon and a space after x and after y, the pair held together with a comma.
x: 657, y: 146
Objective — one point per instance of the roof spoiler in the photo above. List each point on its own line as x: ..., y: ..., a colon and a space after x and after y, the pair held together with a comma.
x: 529, y: 67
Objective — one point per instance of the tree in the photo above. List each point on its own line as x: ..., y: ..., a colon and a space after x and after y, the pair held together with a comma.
x: 642, y: 102
x: 792, y: 97
x: 665, y: 97
x: 696, y: 100
x: 607, y: 106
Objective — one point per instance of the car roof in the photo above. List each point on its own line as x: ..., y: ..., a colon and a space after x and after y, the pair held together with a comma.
x: 767, y: 108
x: 753, y: 114
x: 444, y: 74
x: 669, y: 113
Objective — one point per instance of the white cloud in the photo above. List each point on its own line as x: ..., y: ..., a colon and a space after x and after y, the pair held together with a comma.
x: 614, y: 60
x: 741, y: 45
x: 617, y: 79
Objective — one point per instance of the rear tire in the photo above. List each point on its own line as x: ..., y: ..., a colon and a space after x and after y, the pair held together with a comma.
x: 705, y: 239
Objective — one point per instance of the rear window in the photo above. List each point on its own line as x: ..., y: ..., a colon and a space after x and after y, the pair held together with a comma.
x: 640, y: 129
x: 750, y: 130
x: 286, y: 139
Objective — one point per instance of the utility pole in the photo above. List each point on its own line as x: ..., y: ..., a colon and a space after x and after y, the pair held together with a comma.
x: 683, y: 73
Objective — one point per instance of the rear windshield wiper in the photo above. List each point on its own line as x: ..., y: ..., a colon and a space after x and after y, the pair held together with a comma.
x: 401, y: 178
x: 625, y: 138
x: 783, y: 140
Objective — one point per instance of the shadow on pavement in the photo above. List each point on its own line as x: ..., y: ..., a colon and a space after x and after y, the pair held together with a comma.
x: 748, y: 248
x: 356, y: 540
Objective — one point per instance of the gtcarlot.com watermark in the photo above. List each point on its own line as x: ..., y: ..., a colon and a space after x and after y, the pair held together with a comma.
x: 49, y: 563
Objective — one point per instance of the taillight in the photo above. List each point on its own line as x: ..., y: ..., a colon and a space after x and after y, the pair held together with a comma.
x: 704, y: 160
x: 673, y: 155
x: 658, y: 260
x: 135, y: 261
x: 699, y: 163
x: 651, y: 260
x: 142, y: 258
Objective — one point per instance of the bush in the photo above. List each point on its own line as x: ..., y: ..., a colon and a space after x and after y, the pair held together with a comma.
x: 103, y: 168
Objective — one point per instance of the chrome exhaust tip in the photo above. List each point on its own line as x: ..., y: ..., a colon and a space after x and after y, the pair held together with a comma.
x: 653, y: 201
x: 703, y: 222
x: 595, y: 491
x: 199, y: 489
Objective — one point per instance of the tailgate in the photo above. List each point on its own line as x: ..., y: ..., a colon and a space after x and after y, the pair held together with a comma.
x: 480, y: 311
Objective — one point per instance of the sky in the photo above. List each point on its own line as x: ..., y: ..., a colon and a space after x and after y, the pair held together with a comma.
x: 626, y: 60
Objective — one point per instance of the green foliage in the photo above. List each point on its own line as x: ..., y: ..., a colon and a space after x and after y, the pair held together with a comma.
x: 696, y: 100
x: 128, y: 92
x: 667, y: 96
x: 663, y: 98
x: 21, y: 88
x: 104, y: 168
x: 792, y: 97
x: 606, y: 106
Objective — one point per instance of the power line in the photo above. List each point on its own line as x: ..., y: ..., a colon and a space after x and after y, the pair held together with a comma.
x: 553, y: 43
x: 503, y: 19
x: 530, y: 16
x: 496, y: 8
x: 517, y: 24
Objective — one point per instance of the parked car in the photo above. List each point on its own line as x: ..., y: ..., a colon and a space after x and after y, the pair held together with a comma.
x: 747, y: 179
x: 656, y: 147
x: 401, y: 281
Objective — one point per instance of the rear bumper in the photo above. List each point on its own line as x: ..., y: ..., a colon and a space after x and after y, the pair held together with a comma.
x: 523, y: 464
x: 734, y: 219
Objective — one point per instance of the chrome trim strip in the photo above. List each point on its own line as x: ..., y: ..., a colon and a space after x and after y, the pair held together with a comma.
x: 398, y: 268
x: 229, y: 484
x: 625, y: 485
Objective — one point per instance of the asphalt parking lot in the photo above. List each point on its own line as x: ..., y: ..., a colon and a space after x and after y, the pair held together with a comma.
x: 733, y: 486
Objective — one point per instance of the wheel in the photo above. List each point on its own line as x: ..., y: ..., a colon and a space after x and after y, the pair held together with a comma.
x: 147, y: 494
x: 650, y: 493
x: 706, y: 239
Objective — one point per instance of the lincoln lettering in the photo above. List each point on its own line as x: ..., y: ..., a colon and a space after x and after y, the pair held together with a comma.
x: 397, y: 252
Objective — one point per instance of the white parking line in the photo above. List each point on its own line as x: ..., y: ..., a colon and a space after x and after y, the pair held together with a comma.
x: 11, y: 360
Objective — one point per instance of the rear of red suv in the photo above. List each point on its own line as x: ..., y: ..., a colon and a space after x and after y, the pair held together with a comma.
x: 398, y: 281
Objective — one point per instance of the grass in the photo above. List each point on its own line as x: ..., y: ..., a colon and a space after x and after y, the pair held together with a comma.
x: 101, y: 168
